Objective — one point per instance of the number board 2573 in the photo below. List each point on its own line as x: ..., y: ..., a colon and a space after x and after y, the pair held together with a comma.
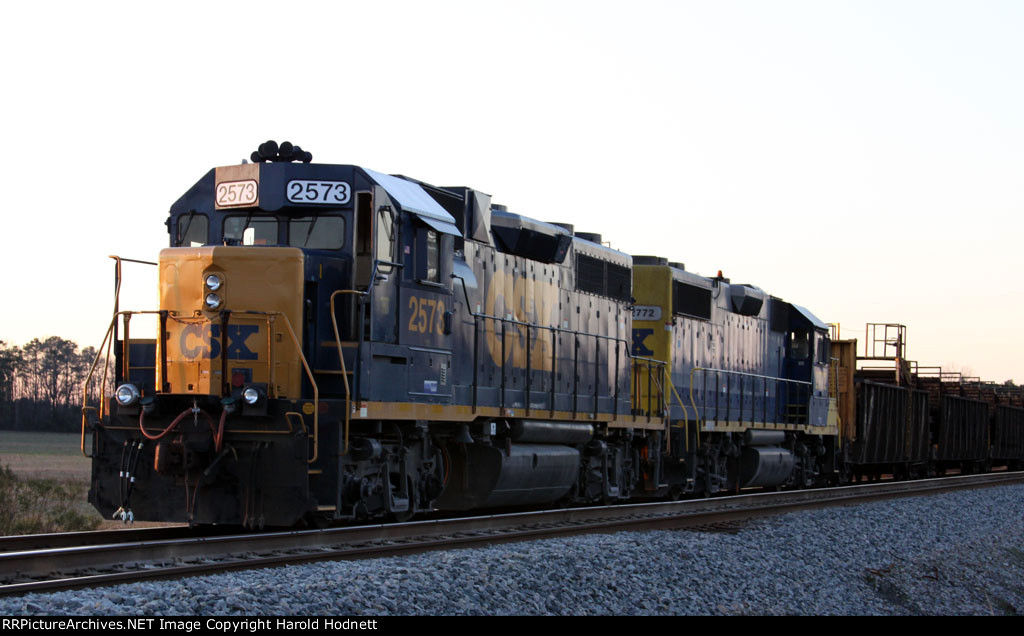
x: 318, y: 192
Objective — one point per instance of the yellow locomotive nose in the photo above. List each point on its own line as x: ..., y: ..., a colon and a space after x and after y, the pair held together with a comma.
x: 222, y: 326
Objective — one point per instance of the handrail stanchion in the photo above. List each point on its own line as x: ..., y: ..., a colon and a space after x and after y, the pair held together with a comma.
x: 649, y: 388
x: 344, y: 371
x: 554, y: 366
x: 107, y: 342
x: 529, y: 371
x: 271, y: 366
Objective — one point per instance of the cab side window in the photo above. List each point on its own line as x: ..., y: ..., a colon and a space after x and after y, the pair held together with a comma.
x: 385, y: 239
x: 799, y: 348
x: 428, y: 256
x: 823, y: 349
x: 433, y: 252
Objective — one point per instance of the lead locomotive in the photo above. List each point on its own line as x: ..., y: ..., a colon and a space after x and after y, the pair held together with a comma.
x: 338, y: 343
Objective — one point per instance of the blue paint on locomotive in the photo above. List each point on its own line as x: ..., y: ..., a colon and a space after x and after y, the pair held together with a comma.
x: 740, y: 354
x: 474, y: 305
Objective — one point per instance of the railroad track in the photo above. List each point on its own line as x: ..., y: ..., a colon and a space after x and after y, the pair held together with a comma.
x: 149, y: 554
x: 20, y: 543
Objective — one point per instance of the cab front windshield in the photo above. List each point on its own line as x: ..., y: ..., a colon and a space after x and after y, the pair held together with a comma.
x: 316, y: 232
x: 250, y: 230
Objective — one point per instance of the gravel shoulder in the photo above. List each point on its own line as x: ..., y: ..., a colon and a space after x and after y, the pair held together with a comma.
x: 960, y: 554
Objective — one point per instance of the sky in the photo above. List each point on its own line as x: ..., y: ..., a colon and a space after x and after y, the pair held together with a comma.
x: 862, y: 159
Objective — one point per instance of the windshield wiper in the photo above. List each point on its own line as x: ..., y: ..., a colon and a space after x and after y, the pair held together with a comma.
x: 309, y: 232
x: 188, y: 223
x: 248, y: 220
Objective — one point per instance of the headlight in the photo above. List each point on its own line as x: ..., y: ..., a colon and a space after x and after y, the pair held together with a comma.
x: 213, y: 281
x: 251, y: 395
x: 127, y: 394
x: 213, y: 301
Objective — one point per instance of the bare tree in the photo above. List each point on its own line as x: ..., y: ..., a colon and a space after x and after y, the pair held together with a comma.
x: 10, y: 361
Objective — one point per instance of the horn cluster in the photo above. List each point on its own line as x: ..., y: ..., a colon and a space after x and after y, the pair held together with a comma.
x: 270, y: 151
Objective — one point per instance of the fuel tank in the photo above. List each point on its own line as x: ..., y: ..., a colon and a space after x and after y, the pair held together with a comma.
x: 484, y: 476
x: 551, y: 432
x: 765, y: 466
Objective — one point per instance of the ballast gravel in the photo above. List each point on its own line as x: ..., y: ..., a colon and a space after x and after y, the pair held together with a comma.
x: 960, y: 553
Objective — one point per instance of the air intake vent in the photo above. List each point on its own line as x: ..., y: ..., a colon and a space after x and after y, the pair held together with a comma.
x: 600, y: 277
x: 691, y: 300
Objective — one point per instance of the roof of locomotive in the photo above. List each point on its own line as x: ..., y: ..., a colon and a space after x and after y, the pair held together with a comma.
x: 272, y: 181
x: 739, y: 290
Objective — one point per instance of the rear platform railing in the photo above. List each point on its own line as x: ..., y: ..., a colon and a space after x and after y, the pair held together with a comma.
x: 885, y: 341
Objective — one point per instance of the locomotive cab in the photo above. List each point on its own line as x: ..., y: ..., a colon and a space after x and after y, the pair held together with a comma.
x: 274, y: 274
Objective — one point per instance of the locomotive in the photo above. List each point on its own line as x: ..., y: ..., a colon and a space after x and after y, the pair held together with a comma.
x: 337, y: 344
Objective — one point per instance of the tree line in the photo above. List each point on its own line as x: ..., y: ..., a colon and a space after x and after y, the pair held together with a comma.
x: 41, y: 384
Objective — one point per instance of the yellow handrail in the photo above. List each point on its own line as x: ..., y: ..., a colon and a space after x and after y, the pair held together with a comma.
x: 686, y: 413
x: 268, y: 314
x: 107, y: 342
x: 84, y: 416
x: 287, y: 418
x: 309, y: 374
x: 344, y: 371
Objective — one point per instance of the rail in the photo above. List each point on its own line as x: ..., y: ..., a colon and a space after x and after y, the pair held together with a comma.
x: 270, y: 317
x: 122, y: 557
x: 797, y: 412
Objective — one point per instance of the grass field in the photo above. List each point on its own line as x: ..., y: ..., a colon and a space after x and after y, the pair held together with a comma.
x: 50, y: 472
x: 44, y: 455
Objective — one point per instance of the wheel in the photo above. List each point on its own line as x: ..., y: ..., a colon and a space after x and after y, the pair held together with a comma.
x: 410, y: 512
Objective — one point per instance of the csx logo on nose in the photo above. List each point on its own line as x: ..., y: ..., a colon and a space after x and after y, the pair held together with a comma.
x: 203, y: 341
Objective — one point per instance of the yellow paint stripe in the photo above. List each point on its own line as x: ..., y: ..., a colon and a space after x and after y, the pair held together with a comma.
x: 463, y: 413
x: 739, y: 427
